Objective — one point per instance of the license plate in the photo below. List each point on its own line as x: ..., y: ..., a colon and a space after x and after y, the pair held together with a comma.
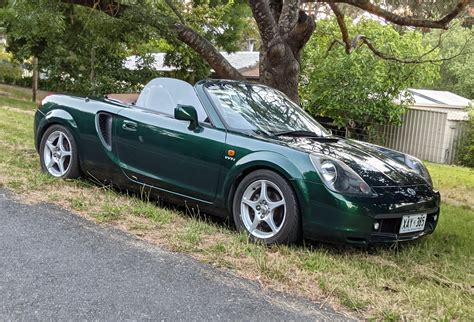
x: 411, y: 223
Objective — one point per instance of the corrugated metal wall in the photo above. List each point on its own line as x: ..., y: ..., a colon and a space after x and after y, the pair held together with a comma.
x: 428, y: 135
x: 456, y: 130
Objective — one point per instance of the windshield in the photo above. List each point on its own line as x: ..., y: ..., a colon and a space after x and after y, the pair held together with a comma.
x: 256, y: 108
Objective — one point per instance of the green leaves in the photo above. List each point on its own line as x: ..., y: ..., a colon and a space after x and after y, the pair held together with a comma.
x: 10, y: 70
x: 221, y: 22
x: 31, y: 26
x: 466, y: 147
x: 80, y: 50
x: 362, y: 89
x: 457, y: 74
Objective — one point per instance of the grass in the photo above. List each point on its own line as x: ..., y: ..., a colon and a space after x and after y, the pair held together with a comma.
x: 429, y: 279
x: 19, y: 93
x: 456, y: 184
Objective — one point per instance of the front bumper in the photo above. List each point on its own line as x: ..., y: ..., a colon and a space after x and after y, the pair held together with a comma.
x: 328, y: 216
x: 390, y: 226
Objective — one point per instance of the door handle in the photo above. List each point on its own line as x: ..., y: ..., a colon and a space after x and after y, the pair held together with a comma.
x: 129, y: 125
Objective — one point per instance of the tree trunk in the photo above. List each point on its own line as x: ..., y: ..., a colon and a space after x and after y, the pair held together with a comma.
x: 34, y: 85
x: 284, y: 30
x: 280, y: 70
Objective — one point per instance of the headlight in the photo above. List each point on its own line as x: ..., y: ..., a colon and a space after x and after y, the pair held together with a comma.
x: 328, y: 171
x: 339, y: 177
x: 415, y: 164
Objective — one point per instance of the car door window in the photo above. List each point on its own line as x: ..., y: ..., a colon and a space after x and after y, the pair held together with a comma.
x: 162, y: 95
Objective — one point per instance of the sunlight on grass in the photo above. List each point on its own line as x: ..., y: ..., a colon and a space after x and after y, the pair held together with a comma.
x: 456, y: 184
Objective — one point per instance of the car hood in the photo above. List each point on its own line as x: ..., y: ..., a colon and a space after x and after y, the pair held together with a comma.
x: 372, y: 165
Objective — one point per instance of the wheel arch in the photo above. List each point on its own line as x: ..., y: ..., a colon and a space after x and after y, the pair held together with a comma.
x: 63, y: 118
x: 56, y: 117
x: 269, y: 161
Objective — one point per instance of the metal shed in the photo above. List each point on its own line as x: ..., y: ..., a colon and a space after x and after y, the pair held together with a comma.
x: 431, y: 128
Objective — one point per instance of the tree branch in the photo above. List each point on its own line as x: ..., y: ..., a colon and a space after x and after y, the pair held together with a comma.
x: 419, y: 60
x: 204, y: 48
x: 176, y: 11
x: 185, y: 34
x: 110, y: 7
x: 275, y: 8
x: 342, y: 26
x: 361, y: 39
x: 289, y: 16
x: 266, y: 23
x: 301, y: 33
x: 368, y: 6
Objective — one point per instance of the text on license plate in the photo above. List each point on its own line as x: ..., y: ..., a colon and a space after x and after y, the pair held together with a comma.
x: 411, y: 223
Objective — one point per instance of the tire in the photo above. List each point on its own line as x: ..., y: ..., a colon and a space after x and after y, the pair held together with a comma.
x: 59, y: 160
x: 271, y: 218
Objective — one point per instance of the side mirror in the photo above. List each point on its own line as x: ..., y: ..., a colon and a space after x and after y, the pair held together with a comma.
x: 187, y: 113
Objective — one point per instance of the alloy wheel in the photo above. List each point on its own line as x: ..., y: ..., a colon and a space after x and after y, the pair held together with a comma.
x: 263, y: 209
x: 57, y: 154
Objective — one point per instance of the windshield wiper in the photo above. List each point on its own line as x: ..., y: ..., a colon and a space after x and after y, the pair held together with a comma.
x: 298, y: 133
x: 260, y: 132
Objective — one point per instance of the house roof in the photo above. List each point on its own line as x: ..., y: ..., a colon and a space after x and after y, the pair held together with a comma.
x: 444, y: 99
x: 441, y: 101
x: 241, y: 60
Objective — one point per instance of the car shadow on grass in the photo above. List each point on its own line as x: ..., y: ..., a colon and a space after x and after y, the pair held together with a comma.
x: 226, y: 223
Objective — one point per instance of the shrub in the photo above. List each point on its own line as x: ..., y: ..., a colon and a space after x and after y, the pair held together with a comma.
x: 465, y: 155
x: 9, y: 69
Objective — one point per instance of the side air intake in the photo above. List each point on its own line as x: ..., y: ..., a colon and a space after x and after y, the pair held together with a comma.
x: 104, y: 129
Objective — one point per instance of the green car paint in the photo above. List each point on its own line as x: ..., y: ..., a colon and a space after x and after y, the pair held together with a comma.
x: 190, y: 163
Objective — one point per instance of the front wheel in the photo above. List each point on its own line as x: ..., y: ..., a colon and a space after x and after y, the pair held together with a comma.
x: 58, y: 153
x: 265, y: 206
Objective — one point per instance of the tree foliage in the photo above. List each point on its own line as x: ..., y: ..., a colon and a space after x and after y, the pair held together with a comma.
x: 361, y: 88
x: 10, y: 70
x: 79, y: 50
x: 431, y: 9
x: 82, y: 50
x: 465, y: 153
x: 457, y: 74
x: 221, y: 22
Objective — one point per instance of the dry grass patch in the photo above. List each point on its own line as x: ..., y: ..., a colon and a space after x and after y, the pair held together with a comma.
x: 20, y: 93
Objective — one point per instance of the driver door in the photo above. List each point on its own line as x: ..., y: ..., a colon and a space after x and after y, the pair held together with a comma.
x: 157, y: 150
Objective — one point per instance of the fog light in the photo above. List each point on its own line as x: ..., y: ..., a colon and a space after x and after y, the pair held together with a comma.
x: 435, y: 217
x: 376, y: 226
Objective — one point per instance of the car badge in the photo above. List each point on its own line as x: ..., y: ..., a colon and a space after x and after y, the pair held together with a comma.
x: 411, y: 191
x: 230, y: 155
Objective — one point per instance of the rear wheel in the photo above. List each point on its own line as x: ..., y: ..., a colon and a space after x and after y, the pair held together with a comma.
x: 58, y: 153
x: 266, y: 207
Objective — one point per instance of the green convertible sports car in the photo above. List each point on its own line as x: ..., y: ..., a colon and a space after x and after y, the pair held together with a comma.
x: 243, y: 150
